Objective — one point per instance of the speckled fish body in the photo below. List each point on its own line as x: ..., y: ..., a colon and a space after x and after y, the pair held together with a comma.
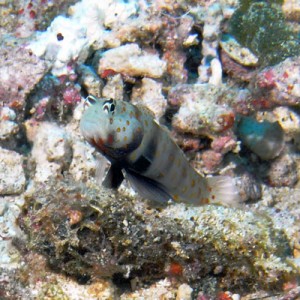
x: 130, y: 138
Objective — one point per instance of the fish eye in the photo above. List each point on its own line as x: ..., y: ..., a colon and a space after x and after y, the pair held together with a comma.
x: 90, y: 100
x: 109, y: 106
x: 106, y: 108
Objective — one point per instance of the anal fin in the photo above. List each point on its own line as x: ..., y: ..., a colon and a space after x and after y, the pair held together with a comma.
x: 114, y: 177
x: 147, y: 188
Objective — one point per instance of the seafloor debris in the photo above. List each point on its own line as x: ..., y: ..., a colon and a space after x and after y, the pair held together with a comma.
x: 12, y: 177
x: 235, y: 70
x: 131, y: 60
x: 149, y: 94
x: 238, y: 53
x: 199, y: 112
x: 211, y: 38
x: 16, y: 82
x: 265, y: 139
x: 278, y: 85
x: 8, y: 127
x: 281, y: 172
x: 114, y: 87
x: 89, y: 232
x: 51, y: 151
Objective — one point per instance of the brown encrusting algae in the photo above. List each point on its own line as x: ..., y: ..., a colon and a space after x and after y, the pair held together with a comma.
x: 87, y: 232
x: 216, y: 86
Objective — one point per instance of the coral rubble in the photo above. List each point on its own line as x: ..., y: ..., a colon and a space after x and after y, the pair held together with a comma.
x: 266, y: 139
x: 89, y: 232
x: 129, y: 59
x: 16, y: 84
x: 12, y: 177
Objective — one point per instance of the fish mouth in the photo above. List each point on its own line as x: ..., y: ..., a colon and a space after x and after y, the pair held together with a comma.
x: 90, y: 129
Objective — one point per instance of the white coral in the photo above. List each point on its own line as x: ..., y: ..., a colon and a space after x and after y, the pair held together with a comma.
x: 131, y: 60
x: 69, y: 39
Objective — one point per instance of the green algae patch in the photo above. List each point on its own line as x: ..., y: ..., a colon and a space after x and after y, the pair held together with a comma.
x: 87, y: 233
x: 261, y: 27
x: 53, y: 292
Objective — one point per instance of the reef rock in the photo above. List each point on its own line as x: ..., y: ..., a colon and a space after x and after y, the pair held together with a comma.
x: 51, y: 150
x: 199, y: 112
x: 15, y: 82
x: 10, y: 207
x: 12, y: 176
x: 68, y: 39
x: 114, y: 87
x: 90, y: 80
x: 291, y: 10
x: 90, y: 232
x: 280, y: 84
x: 282, y: 171
x: 131, y: 60
x: 238, y: 53
x: 163, y: 289
x: 149, y: 94
x: 265, y: 139
x: 8, y: 126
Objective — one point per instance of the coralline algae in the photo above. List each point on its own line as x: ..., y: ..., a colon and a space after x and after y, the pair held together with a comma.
x: 15, y: 85
x: 278, y: 85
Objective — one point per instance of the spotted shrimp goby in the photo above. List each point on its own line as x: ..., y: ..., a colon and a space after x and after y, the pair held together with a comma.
x: 143, y: 151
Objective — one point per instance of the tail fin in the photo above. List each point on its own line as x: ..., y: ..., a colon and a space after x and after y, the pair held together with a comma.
x: 222, y: 190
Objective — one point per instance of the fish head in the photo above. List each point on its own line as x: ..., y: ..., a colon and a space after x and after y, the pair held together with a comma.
x: 113, y: 127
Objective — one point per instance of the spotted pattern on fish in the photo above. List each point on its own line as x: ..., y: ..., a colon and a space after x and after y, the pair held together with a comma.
x: 130, y: 138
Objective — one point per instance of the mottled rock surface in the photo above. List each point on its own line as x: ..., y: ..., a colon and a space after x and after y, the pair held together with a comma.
x: 12, y: 176
x: 149, y: 94
x: 280, y: 84
x: 131, y: 60
x: 96, y: 233
x: 15, y: 82
x: 51, y: 151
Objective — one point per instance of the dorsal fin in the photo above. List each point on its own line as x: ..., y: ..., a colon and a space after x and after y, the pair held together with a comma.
x: 145, y: 109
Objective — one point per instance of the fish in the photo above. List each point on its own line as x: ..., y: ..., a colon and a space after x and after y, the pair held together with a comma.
x: 143, y: 152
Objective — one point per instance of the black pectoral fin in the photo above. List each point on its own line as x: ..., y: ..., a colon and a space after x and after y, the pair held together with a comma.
x: 148, y: 188
x: 114, y: 177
